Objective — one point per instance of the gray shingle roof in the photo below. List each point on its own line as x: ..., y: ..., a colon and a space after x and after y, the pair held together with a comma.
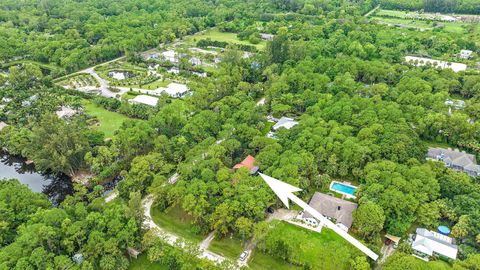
x: 332, y: 207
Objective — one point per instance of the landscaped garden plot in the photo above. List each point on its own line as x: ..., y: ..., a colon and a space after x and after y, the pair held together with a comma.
x: 79, y: 81
x: 325, y: 250
x: 175, y: 220
x: 108, y: 122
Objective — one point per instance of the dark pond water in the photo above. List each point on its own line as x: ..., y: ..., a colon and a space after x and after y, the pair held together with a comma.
x: 55, y: 186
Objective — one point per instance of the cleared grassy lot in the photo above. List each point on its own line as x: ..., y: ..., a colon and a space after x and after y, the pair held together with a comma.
x: 151, y: 86
x: 228, y: 247
x: 142, y: 263
x: 325, y: 250
x: 402, y: 18
x: 108, y: 122
x: 175, y: 220
x: 214, y: 34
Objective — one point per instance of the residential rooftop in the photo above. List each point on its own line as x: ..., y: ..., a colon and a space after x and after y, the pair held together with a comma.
x: 332, y: 207
x: 145, y: 100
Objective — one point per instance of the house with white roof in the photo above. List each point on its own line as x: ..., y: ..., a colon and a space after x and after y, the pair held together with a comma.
x: 2, y: 125
x: 266, y: 36
x: 171, y: 56
x: 456, y: 103
x: 421, y: 61
x: 175, y: 90
x: 428, y: 243
x: 455, y: 159
x: 284, y: 122
x: 465, y: 54
x: 145, y: 100
x: 65, y: 112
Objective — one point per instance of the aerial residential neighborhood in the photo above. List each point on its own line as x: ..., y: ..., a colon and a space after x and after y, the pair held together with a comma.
x: 235, y: 135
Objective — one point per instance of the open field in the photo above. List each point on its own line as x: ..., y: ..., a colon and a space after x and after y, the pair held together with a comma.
x: 151, y: 86
x: 421, y: 21
x: 109, y: 121
x: 228, y: 247
x: 214, y: 34
x: 176, y: 221
x: 325, y: 250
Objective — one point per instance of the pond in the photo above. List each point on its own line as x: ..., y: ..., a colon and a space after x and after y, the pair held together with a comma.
x: 55, y: 186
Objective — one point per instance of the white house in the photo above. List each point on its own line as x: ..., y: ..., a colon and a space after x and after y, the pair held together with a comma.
x: 266, y: 36
x: 145, y: 100
x: 284, y: 122
x: 337, y: 210
x: 170, y: 55
x: 175, y: 90
x: 195, y: 61
x: 421, y: 61
x: 457, y: 104
x: 465, y: 54
x: 428, y: 243
x: 65, y: 112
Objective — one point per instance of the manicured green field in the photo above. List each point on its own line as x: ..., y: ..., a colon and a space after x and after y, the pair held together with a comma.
x: 228, y: 247
x: 325, y: 250
x: 109, y: 121
x: 176, y: 221
x: 142, y: 263
x: 152, y: 86
x: 214, y: 34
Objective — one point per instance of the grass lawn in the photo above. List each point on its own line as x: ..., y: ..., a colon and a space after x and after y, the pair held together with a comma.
x: 267, y: 128
x: 325, y: 250
x: 228, y: 247
x: 142, y: 263
x: 151, y: 86
x: 260, y: 261
x: 214, y: 34
x: 176, y: 221
x: 109, y: 121
x: 438, y: 144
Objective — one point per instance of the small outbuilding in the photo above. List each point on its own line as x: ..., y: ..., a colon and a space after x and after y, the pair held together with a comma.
x: 465, y: 54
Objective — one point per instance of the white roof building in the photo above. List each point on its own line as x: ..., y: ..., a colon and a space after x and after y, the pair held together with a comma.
x: 170, y: 55
x: 285, y: 122
x: 65, y: 112
x: 145, y: 100
x: 428, y: 243
x: 2, y: 125
x: 465, y: 54
x: 421, y: 61
x: 458, y: 103
x: 175, y: 90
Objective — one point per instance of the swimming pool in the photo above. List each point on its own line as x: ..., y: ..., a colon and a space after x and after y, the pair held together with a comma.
x: 344, y: 189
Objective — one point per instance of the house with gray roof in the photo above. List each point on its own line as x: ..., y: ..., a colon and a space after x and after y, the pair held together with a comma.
x: 455, y: 159
x: 338, y: 210
x: 428, y: 243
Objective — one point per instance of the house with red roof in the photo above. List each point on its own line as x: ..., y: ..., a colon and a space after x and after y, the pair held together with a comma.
x: 249, y: 163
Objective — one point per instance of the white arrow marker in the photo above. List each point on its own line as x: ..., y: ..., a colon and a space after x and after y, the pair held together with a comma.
x: 285, y: 191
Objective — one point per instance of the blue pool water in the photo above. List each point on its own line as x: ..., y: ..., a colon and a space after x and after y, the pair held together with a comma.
x: 344, y: 188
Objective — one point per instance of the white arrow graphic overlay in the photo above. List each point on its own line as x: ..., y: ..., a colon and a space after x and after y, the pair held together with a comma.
x: 285, y: 191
